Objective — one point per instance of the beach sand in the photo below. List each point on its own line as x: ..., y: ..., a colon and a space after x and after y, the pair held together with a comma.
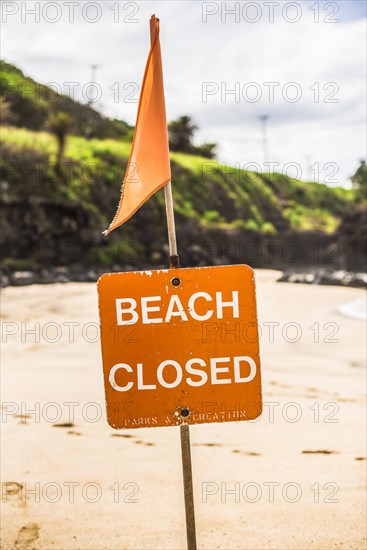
x: 294, y: 479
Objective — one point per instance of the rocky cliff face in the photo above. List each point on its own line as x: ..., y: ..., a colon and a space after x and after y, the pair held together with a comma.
x: 352, y: 240
x: 51, y: 222
x: 47, y: 234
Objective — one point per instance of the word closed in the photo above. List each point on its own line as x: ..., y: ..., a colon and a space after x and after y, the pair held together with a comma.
x: 169, y: 370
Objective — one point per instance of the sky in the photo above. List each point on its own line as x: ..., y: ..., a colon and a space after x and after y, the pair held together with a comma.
x: 302, y: 63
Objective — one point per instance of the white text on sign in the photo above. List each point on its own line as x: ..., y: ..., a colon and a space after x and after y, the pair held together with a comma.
x: 127, y: 314
x: 195, y: 367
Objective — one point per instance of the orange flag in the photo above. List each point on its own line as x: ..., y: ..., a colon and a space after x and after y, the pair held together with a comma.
x: 148, y: 168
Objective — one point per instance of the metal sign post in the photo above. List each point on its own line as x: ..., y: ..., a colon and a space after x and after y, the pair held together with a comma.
x: 188, y: 488
x: 184, y: 428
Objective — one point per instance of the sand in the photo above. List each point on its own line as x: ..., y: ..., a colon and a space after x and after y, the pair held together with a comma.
x: 293, y: 479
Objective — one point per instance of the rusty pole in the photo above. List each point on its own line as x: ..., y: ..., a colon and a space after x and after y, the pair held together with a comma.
x: 188, y: 488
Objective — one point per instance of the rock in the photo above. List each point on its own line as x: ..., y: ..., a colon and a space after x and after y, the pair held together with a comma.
x: 4, y: 281
x: 91, y: 276
x: 46, y: 276
x: 330, y: 278
x: 324, y: 277
x: 309, y: 278
x: 20, y: 278
x: 352, y: 238
x: 61, y: 270
x: 61, y: 279
x: 195, y: 254
x: 359, y: 280
x: 156, y: 257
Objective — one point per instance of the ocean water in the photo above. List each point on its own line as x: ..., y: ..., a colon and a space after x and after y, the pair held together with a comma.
x: 356, y: 309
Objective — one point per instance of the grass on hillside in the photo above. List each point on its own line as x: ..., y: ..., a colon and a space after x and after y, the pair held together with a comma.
x: 214, y: 194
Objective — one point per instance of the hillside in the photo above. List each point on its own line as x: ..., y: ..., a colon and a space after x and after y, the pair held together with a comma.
x: 55, y: 214
x: 32, y: 103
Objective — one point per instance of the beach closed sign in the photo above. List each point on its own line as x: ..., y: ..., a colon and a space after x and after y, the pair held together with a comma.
x: 180, y: 345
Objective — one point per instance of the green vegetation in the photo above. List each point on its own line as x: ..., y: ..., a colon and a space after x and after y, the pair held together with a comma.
x: 60, y: 125
x: 181, y: 133
x: 211, y: 193
x: 359, y: 181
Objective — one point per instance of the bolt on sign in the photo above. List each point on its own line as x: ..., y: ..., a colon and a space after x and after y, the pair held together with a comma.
x: 180, y: 345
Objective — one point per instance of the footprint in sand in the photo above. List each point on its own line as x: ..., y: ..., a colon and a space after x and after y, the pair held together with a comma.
x: 250, y: 453
x: 54, y: 309
x: 346, y: 400
x: 322, y: 452
x: 207, y: 445
x: 23, y: 418
x: 27, y: 535
x: 138, y: 441
x: 64, y: 425
x: 12, y: 492
x: 12, y: 487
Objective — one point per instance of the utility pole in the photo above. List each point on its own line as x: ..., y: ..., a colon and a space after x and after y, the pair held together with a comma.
x: 264, y: 120
x: 89, y: 122
x: 309, y: 168
x: 93, y: 75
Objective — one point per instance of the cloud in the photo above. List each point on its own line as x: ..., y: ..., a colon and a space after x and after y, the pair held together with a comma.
x: 326, y: 60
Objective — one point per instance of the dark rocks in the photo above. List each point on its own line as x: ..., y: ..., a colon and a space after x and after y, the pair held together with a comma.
x: 4, y: 281
x: 324, y: 277
x: 58, y: 243
x: 352, y: 240
x: 60, y: 274
x: 63, y: 274
x: 21, y: 278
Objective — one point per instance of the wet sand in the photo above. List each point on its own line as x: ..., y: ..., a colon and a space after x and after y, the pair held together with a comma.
x: 295, y: 479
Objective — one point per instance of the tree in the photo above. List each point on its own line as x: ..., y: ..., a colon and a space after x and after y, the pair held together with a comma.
x: 181, y: 132
x: 6, y: 114
x: 359, y: 181
x: 60, y: 125
x: 207, y: 150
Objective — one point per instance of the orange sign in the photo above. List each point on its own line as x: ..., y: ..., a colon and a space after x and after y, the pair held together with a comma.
x: 180, y: 345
